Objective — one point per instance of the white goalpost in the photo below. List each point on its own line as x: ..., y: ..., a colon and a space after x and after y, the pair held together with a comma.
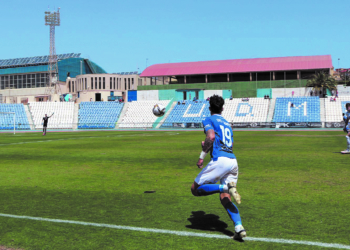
x: 7, y: 123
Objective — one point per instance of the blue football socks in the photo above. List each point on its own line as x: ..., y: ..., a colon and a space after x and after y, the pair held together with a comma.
x: 208, y: 189
x: 232, y: 211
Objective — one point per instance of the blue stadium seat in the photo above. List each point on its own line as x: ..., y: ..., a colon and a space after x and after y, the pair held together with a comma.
x: 189, y: 114
x: 305, y: 109
x: 7, y: 120
x: 99, y: 115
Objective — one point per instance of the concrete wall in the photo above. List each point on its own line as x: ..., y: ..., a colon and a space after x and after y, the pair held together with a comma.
x: 263, y: 92
x: 85, y: 96
x: 166, y: 94
x: 226, y: 93
x: 209, y: 93
x: 10, y: 95
x: 343, y: 91
x: 285, y: 92
x: 147, y: 95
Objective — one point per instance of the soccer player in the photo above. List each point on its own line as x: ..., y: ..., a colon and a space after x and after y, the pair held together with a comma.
x: 346, y: 129
x: 223, y: 165
x: 46, y: 119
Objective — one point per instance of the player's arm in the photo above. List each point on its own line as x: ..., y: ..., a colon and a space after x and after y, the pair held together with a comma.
x: 206, y: 146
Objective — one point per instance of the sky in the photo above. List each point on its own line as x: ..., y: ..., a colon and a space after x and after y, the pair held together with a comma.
x: 128, y: 35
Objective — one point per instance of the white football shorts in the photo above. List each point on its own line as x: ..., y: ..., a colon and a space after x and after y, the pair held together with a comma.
x: 224, y: 170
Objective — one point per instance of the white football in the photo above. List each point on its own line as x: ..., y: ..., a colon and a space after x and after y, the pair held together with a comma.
x: 158, y: 110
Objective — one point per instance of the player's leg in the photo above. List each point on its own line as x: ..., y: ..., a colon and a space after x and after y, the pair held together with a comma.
x: 204, y: 183
x: 231, y: 179
x: 208, y: 189
x: 233, y: 212
x: 347, y: 151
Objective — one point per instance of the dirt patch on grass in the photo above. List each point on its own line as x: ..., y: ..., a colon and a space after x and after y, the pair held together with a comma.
x: 9, y: 248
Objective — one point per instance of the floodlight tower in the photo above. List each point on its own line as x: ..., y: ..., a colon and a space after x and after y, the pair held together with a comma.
x: 52, y: 19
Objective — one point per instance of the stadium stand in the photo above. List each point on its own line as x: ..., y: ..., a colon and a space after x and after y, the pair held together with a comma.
x: 304, y: 109
x: 99, y: 115
x: 7, y: 120
x: 334, y: 109
x: 139, y: 114
x: 192, y: 113
x: 188, y: 114
x: 254, y: 110
x: 62, y: 119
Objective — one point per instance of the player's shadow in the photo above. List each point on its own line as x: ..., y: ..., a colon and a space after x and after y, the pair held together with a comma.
x: 208, y: 222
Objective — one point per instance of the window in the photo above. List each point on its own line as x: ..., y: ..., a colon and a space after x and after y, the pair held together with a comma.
x: 132, y: 83
x: 92, y: 83
x: 2, y: 82
x: 99, y: 83
x: 11, y: 82
x: 37, y: 80
x: 69, y: 86
x: 43, y: 79
x: 85, y: 83
x: 114, y: 83
x: 125, y: 83
x: 24, y: 81
x: 129, y: 83
x: 104, y: 82
x: 19, y: 82
x: 110, y: 83
x: 95, y: 82
x: 31, y: 81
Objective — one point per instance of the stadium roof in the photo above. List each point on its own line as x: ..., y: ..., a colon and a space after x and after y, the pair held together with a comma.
x: 36, y: 60
x: 240, y: 66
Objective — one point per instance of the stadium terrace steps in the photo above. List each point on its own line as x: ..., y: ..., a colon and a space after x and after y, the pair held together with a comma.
x: 62, y: 118
x: 322, y: 110
x: 76, y: 116
x: 139, y: 114
x: 305, y: 109
x: 99, y: 115
x: 29, y: 116
x: 168, y: 111
x: 125, y: 108
x: 271, y: 110
x: 7, y: 121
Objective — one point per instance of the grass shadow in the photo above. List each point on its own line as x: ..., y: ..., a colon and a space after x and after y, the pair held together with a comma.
x: 208, y: 222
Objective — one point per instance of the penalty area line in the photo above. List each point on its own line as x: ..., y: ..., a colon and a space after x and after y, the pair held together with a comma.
x: 179, y: 233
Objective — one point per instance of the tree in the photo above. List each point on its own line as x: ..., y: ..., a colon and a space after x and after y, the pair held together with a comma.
x: 322, y: 81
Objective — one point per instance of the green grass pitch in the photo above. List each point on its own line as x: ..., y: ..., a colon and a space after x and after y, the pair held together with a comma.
x: 294, y: 185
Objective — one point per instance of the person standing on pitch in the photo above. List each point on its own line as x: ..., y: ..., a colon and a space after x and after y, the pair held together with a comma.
x: 46, y: 119
x: 223, y: 165
x: 346, y: 129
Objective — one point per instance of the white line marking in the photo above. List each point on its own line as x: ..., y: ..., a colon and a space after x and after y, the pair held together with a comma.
x: 179, y: 233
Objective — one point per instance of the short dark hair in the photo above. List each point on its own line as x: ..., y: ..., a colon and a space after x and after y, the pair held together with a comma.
x: 216, y: 104
x: 347, y: 105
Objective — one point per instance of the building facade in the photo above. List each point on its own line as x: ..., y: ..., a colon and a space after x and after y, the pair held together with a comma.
x: 24, y: 80
x: 98, y: 87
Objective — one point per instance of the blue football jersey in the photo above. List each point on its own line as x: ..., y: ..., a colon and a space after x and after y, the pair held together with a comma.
x: 223, y: 142
x: 346, y: 117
